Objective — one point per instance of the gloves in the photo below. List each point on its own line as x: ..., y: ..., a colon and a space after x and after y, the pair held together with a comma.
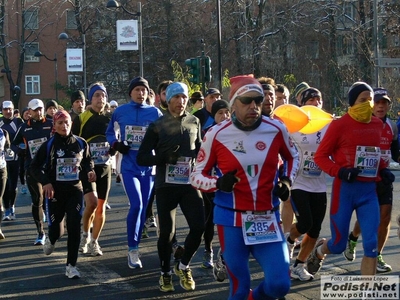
x: 171, y: 157
x: 111, y: 151
x: 22, y: 152
x: 226, y: 182
x: 387, y: 176
x: 348, y: 174
x: 282, y: 188
x: 121, y: 147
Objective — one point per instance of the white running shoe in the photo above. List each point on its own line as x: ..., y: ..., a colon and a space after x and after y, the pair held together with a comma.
x: 299, y: 272
x: 83, y: 246
x: 289, y: 245
x: 2, y: 237
x: 95, y: 249
x: 72, y: 272
x: 133, y: 259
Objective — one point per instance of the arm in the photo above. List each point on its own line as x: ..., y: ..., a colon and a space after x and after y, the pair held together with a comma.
x: 7, y: 139
x: 37, y: 166
x: 18, y: 139
x: 145, y: 155
x: 76, y: 126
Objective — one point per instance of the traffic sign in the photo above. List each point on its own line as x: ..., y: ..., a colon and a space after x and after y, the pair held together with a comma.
x: 387, y: 62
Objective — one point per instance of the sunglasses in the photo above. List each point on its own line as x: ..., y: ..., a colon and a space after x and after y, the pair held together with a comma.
x: 248, y: 100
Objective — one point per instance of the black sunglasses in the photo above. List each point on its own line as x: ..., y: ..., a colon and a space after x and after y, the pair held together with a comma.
x: 248, y: 100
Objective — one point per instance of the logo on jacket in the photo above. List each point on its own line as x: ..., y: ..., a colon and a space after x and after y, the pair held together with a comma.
x: 239, y: 147
x: 60, y: 153
x: 252, y: 170
x: 261, y: 146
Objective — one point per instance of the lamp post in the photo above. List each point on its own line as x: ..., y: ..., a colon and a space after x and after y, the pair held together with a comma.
x: 40, y: 54
x: 64, y: 36
x: 114, y: 5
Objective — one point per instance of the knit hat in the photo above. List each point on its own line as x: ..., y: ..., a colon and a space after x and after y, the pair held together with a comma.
x: 51, y: 103
x: 242, y: 84
x: 7, y: 104
x: 113, y: 103
x: 196, y: 96
x: 267, y: 87
x: 379, y: 94
x: 300, y: 88
x: 61, y: 114
x: 217, y: 105
x: 309, y: 93
x: 77, y: 95
x: 356, y: 89
x: 137, y: 82
x: 94, y: 88
x: 176, y: 88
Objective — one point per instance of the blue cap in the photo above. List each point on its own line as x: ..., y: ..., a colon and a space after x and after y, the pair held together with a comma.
x: 95, y: 88
x: 176, y: 88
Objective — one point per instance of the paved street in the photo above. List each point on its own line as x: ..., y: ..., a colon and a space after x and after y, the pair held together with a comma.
x: 25, y: 272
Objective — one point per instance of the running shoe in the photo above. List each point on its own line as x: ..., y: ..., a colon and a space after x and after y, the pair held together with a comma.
x: 83, y: 246
x: 185, y: 278
x: 350, y: 252
x: 208, y: 260
x: 219, y: 270
x: 289, y: 245
x: 94, y: 248
x: 177, y: 251
x: 48, y: 248
x: 314, y: 263
x: 151, y: 222
x: 108, y: 206
x: 145, y: 234
x: 6, y: 216
x: 166, y: 283
x: 299, y: 272
x: 2, y: 237
x: 381, y: 266
x: 134, y: 260
x: 40, y: 239
x: 72, y: 272
x: 24, y: 190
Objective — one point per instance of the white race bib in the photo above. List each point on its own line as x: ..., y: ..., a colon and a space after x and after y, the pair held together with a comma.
x: 67, y: 169
x: 367, y: 160
x: 180, y: 172
x: 259, y: 228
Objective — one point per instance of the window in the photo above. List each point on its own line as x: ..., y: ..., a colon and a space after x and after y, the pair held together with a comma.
x: 75, y: 82
x: 71, y: 20
x: 345, y: 45
x: 31, y: 18
x: 32, y: 84
x: 30, y: 51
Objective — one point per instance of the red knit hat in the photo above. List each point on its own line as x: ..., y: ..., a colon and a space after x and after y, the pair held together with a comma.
x: 242, y: 84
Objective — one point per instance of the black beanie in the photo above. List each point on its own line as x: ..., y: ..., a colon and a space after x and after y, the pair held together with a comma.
x: 50, y: 104
x: 309, y: 93
x: 137, y: 82
x: 356, y: 89
x: 217, y: 105
x: 77, y: 95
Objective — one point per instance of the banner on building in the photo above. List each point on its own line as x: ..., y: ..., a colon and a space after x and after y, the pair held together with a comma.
x: 127, y: 35
x: 74, y: 60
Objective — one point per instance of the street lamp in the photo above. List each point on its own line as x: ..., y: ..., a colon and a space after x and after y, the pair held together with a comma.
x: 114, y: 5
x: 40, y: 54
x: 64, y: 36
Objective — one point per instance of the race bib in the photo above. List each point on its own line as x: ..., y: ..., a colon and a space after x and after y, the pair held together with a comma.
x: 260, y: 228
x: 310, y: 168
x: 134, y: 136
x: 99, y: 152
x: 386, y: 155
x: 367, y: 160
x: 67, y: 169
x: 180, y: 172
x: 34, y: 145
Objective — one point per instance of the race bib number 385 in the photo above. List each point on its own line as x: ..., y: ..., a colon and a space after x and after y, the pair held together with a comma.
x: 260, y: 228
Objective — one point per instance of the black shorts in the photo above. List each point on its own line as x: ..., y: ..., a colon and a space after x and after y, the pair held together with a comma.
x: 102, y: 184
x: 384, y: 192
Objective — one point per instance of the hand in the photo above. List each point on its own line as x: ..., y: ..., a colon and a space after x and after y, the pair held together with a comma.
x: 172, y: 157
x: 112, y: 151
x: 48, y: 191
x: 348, y: 174
x: 121, y: 147
x: 21, y: 152
x: 227, y: 181
x: 387, y: 176
x: 91, y: 176
x: 282, y: 188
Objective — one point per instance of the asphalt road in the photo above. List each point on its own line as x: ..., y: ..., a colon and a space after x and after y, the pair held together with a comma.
x: 26, y: 273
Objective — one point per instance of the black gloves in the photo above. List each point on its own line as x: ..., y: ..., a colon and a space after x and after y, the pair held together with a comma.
x: 348, y: 174
x: 282, y: 188
x: 111, y: 151
x: 121, y: 147
x: 226, y: 182
x: 22, y: 152
x: 387, y: 176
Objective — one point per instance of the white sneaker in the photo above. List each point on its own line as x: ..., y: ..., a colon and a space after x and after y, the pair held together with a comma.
x: 300, y: 272
x: 2, y: 237
x: 83, y: 246
x: 95, y: 249
x: 72, y: 272
x: 289, y: 245
x: 48, y: 248
x: 133, y: 259
x: 151, y: 222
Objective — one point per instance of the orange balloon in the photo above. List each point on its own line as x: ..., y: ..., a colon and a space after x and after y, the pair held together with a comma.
x: 318, y: 119
x: 292, y: 116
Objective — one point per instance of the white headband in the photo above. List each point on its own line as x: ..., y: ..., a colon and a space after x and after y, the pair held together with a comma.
x: 244, y: 89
